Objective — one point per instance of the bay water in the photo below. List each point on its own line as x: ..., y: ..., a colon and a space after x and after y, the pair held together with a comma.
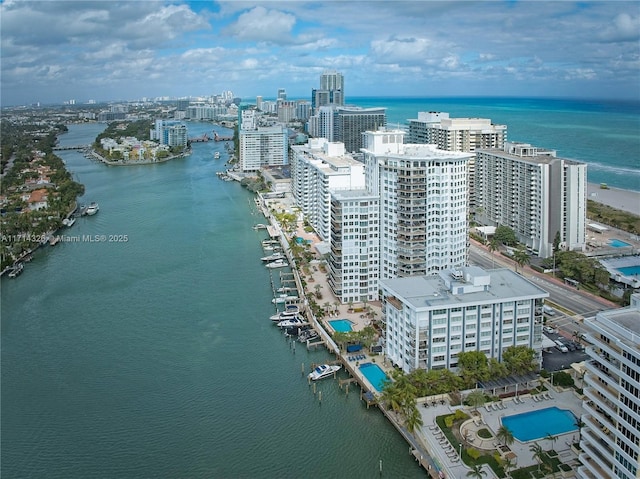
x: 152, y: 355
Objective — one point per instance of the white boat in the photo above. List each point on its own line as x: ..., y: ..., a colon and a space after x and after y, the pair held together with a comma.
x: 279, y: 263
x: 286, y: 289
x: 260, y: 226
x: 284, y: 298
x: 291, y: 311
x: 288, y: 323
x: 92, y: 209
x: 16, y: 270
x: 323, y: 371
x: 68, y: 222
x: 216, y: 155
x: 273, y: 257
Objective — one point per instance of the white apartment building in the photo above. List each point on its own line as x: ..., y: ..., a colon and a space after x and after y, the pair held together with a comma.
x: 534, y: 193
x: 430, y: 320
x: 170, y: 133
x: 318, y: 168
x: 261, y: 147
x: 457, y: 134
x: 423, y: 204
x: 353, y: 259
x: 610, y: 437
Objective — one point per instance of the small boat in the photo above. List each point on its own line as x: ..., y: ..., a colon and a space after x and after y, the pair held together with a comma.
x: 279, y: 263
x: 307, y: 335
x: 260, y: 226
x: 54, y: 240
x: 16, y: 270
x: 216, y: 155
x: 288, y: 323
x: 285, y: 289
x: 323, y: 371
x: 270, y: 242
x: 92, y: 209
x: 273, y: 257
x: 284, y: 298
x: 68, y: 222
x: 291, y: 311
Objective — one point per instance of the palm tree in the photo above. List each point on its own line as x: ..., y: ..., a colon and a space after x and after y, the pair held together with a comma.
x: 493, y: 246
x: 579, y: 424
x: 507, y: 464
x: 476, y: 398
x: 477, y: 471
x: 413, y: 419
x: 505, y: 436
x: 521, y: 258
x: 538, y: 453
x: 552, y: 438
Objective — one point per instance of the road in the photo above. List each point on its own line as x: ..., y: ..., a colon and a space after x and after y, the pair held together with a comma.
x: 572, y: 305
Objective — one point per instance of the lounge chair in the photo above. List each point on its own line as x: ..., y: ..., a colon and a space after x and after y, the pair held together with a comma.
x: 504, y: 406
x: 522, y: 401
x: 548, y: 396
x: 515, y: 399
x: 486, y: 406
x: 455, y: 459
x: 535, y: 398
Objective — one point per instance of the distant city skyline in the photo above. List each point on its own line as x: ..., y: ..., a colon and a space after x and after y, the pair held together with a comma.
x: 60, y: 51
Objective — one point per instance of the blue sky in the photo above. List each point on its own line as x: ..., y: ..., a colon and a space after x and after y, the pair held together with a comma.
x: 54, y: 51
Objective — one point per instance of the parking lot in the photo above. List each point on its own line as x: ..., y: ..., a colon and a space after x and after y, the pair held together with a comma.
x: 554, y: 360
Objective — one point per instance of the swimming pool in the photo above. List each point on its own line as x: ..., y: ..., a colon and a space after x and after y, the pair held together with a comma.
x: 341, y: 325
x: 630, y: 270
x: 533, y: 425
x: 374, y: 374
x: 616, y: 243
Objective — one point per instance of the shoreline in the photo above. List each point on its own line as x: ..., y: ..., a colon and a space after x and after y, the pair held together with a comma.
x: 625, y: 200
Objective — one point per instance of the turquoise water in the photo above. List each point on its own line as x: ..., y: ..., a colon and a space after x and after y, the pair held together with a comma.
x: 341, y: 325
x: 616, y: 243
x: 155, y: 358
x: 630, y: 270
x: 601, y: 133
x: 533, y: 425
x: 374, y: 374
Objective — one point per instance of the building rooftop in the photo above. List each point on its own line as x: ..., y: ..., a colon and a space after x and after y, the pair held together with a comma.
x: 428, y: 292
x: 624, y: 323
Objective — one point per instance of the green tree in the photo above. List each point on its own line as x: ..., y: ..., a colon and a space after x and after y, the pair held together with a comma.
x: 504, y: 435
x: 521, y: 258
x: 556, y: 242
x: 477, y: 471
x: 413, y: 419
x: 473, y: 366
x: 579, y: 424
x: 476, y: 398
x: 507, y: 464
x: 550, y: 437
x: 497, y: 369
x: 493, y: 246
x: 505, y: 235
x: 519, y: 359
x: 538, y: 453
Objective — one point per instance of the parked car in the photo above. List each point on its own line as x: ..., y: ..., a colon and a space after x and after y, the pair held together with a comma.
x: 571, y: 346
x: 548, y: 310
x: 561, y: 347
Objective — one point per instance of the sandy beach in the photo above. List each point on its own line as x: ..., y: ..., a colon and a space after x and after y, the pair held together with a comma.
x: 625, y: 200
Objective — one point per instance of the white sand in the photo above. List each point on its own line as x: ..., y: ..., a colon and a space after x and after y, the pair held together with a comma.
x: 625, y: 200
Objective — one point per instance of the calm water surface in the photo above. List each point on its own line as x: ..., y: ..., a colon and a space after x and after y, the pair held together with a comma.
x: 154, y: 357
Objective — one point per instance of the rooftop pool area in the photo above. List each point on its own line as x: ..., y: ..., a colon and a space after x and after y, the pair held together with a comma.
x: 341, y: 325
x: 616, y: 243
x: 374, y: 374
x: 630, y: 270
x: 534, y: 425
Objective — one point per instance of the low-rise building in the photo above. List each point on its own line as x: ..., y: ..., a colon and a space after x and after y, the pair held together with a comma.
x: 430, y: 320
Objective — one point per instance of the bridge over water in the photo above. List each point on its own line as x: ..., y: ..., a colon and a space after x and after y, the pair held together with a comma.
x: 72, y: 147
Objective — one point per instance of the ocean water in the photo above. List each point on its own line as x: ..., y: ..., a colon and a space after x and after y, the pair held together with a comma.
x: 605, y: 134
x: 154, y: 357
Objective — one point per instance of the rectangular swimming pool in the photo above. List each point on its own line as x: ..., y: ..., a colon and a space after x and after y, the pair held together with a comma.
x: 616, y: 243
x: 374, y: 374
x: 341, y: 325
x: 530, y: 426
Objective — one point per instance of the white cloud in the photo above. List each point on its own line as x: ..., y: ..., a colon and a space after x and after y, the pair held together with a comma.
x: 262, y: 25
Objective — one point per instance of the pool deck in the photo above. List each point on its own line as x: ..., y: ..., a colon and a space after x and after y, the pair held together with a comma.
x: 446, y: 457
